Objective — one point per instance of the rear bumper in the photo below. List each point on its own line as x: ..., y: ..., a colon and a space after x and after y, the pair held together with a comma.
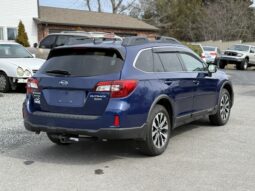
x: 104, y: 133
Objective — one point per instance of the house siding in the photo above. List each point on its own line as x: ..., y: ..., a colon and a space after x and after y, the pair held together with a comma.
x: 12, y: 11
x: 45, y: 29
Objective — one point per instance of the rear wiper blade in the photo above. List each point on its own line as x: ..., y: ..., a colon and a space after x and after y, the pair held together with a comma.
x: 61, y: 72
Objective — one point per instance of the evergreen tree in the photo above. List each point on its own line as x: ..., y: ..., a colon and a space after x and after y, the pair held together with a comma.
x: 22, y: 35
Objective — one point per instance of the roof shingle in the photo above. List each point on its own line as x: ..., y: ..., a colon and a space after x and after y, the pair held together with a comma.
x: 52, y: 15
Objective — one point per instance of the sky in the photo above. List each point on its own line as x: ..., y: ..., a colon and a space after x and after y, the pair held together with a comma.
x: 77, y: 4
x: 72, y: 4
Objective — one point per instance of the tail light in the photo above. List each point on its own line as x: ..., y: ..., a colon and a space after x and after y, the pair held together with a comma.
x: 213, y: 53
x: 32, y: 85
x: 118, y: 88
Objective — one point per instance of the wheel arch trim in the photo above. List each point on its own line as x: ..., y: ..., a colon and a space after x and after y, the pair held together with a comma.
x: 170, y: 101
x: 229, y: 86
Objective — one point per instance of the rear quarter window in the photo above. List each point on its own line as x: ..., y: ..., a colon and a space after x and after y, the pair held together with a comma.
x: 83, y: 62
x: 145, y: 61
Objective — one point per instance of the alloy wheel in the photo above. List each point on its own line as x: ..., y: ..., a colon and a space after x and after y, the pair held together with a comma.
x: 160, y: 128
x: 225, y: 107
x: 245, y: 64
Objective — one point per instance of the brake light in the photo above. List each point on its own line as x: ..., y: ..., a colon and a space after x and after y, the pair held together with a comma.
x: 213, y: 53
x: 118, y: 88
x: 32, y: 85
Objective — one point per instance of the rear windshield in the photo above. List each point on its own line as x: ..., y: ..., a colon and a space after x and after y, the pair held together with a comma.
x: 206, y: 48
x: 83, y: 62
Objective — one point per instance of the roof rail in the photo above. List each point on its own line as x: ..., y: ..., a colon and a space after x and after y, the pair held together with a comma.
x: 166, y: 39
x: 73, y: 32
x: 134, y: 40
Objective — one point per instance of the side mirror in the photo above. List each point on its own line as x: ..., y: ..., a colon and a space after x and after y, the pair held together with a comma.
x: 35, y: 45
x: 212, y: 69
x: 251, y: 51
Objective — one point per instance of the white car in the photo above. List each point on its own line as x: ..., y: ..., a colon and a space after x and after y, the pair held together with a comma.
x: 16, y: 65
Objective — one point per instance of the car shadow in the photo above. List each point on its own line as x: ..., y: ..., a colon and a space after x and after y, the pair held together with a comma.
x: 82, y: 153
x: 202, y: 123
x: 86, y: 152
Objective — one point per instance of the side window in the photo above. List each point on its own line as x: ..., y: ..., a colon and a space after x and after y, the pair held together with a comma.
x: 12, y: 33
x: 252, y: 49
x: 158, y: 67
x: 48, y: 42
x: 145, y: 61
x: 171, y: 62
x: 62, y: 40
x: 78, y: 40
x: 191, y: 63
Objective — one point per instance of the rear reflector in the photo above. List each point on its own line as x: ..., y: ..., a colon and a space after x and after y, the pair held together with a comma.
x: 116, y: 122
x: 118, y: 88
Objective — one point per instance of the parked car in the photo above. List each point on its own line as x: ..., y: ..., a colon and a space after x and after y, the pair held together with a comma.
x: 69, y: 38
x: 16, y: 65
x: 136, y: 90
x: 242, y: 55
x: 211, y: 54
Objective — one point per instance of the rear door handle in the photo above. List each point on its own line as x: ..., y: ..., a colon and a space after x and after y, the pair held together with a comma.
x: 168, y: 82
x: 196, y: 82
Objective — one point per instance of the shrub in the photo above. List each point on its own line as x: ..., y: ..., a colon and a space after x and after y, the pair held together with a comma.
x: 196, y: 48
x: 22, y: 35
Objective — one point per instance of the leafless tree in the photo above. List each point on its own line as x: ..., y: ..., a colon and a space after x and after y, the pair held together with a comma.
x: 117, y: 6
x: 99, y: 6
x: 88, y: 4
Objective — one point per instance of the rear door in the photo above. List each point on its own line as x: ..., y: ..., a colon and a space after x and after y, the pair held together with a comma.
x: 205, y: 96
x: 68, y: 78
x: 176, y: 83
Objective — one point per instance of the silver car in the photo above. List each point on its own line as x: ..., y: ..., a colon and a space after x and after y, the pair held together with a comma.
x: 211, y: 54
x: 242, y: 55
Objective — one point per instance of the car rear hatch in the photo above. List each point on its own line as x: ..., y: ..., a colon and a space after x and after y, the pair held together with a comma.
x: 67, y: 80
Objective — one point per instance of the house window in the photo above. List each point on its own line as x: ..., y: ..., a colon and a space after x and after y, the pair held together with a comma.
x: 12, y: 33
x: 1, y: 33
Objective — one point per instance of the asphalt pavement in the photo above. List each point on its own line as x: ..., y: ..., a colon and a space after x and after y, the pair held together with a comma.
x: 199, y: 156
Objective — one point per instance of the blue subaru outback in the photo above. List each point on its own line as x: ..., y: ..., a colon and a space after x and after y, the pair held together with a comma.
x: 138, y: 90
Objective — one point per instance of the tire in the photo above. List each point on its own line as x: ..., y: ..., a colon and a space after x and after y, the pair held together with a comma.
x: 223, y: 110
x: 244, y: 65
x: 54, y: 138
x: 238, y: 67
x: 157, y: 135
x: 4, y: 83
x: 222, y: 65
